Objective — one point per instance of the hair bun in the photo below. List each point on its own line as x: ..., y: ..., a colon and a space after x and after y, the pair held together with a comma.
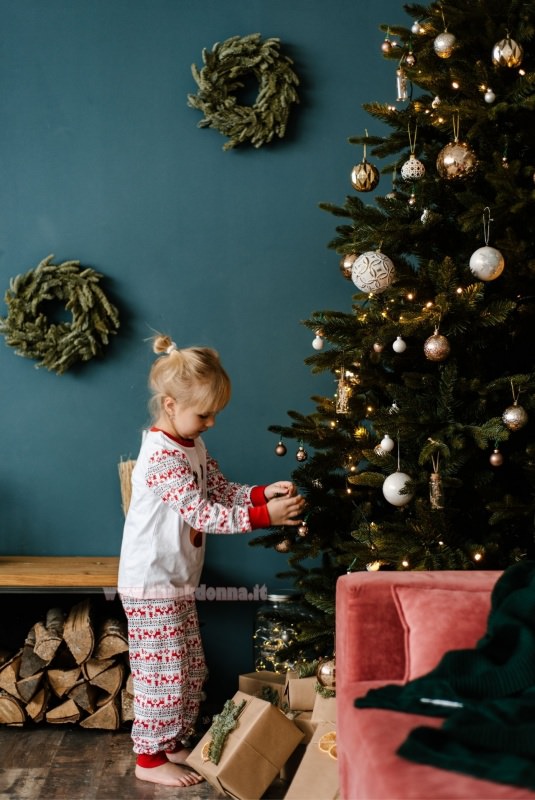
x: 163, y: 344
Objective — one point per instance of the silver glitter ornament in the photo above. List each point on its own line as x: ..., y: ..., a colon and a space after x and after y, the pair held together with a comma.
x: 515, y: 417
x: 444, y: 44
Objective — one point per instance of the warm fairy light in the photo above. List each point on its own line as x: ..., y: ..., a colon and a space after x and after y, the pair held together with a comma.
x: 374, y: 566
x: 441, y: 543
x: 369, y: 409
x: 478, y: 556
x: 440, y: 120
x: 454, y: 84
x: 405, y: 563
x: 333, y: 423
x: 522, y: 72
x: 348, y: 490
x: 429, y: 304
x: 360, y: 432
x: 410, y: 296
x: 459, y: 290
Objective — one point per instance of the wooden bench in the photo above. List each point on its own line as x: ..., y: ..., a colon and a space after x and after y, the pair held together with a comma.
x: 45, y: 573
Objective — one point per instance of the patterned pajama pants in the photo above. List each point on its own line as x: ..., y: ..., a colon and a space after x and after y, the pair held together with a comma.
x: 168, y: 671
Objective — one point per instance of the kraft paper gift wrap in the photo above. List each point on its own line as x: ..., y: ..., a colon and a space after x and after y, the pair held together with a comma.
x: 254, y: 751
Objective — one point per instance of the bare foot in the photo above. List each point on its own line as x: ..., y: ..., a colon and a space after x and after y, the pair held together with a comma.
x: 168, y: 775
x: 179, y: 756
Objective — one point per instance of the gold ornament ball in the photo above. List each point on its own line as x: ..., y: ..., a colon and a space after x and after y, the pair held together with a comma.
x: 456, y: 160
x: 437, y: 347
x: 326, y: 673
x: 507, y: 53
x: 444, y: 44
x: 496, y: 458
x: 515, y: 417
x: 364, y: 176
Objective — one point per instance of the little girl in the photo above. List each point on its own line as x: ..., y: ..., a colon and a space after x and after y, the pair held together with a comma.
x: 178, y: 496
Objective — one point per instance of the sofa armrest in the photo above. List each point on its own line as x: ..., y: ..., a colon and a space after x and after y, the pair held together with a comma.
x: 371, y: 636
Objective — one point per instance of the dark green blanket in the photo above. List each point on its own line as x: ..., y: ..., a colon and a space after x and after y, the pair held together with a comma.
x: 487, y: 694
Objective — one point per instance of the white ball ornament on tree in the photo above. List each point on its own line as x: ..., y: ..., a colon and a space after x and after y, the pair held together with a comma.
x: 317, y: 342
x: 393, y: 487
x: 373, y: 272
x: 487, y: 263
x: 399, y: 345
x: 489, y: 96
x: 413, y: 169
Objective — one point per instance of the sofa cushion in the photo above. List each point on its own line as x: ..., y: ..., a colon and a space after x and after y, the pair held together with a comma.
x: 429, y: 632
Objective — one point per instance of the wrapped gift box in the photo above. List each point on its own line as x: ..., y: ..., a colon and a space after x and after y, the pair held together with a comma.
x: 324, y: 709
x: 262, y: 682
x: 317, y: 775
x: 300, y: 693
x: 254, y: 752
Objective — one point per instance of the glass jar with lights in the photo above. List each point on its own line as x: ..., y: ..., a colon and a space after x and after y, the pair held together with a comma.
x: 276, y: 628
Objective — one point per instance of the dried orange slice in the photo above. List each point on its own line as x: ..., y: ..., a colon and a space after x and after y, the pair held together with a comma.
x: 332, y: 752
x: 205, y: 752
x: 327, y: 741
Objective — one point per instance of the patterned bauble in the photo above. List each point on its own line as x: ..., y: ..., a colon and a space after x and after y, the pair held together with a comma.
x: 372, y: 272
x: 280, y: 449
x: 444, y: 44
x: 364, y: 176
x: 456, y: 160
x: 437, y: 347
x: 412, y: 170
x: 346, y: 265
x: 326, y: 673
x: 487, y: 263
x: 507, y: 53
x: 392, y: 487
x: 515, y: 417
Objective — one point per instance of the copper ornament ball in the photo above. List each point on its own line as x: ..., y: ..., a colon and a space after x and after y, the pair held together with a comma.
x: 496, y: 458
x: 437, y: 347
x: 284, y: 546
x: 326, y: 673
x: 280, y: 449
x: 346, y: 265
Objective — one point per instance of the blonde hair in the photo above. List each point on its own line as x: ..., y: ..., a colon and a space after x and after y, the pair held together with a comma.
x: 193, y: 376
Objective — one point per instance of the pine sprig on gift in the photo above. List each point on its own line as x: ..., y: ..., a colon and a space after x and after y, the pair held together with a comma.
x: 222, y: 724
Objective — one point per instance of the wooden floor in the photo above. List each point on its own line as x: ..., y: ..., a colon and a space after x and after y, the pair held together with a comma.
x: 70, y: 763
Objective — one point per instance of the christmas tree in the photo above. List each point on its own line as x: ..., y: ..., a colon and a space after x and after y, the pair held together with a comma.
x: 424, y: 456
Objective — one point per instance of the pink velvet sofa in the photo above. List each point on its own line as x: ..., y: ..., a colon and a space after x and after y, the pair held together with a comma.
x: 392, y: 627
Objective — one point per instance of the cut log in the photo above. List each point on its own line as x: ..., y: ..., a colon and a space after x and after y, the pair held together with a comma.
x: 27, y: 687
x: 9, y: 675
x: 107, y: 717
x: 49, y: 635
x: 94, y: 667
x: 61, y: 681
x: 78, y: 631
x: 110, y: 680
x: 11, y: 711
x: 66, y: 712
x: 37, y: 706
x: 30, y: 663
x: 112, y: 639
x: 85, y: 696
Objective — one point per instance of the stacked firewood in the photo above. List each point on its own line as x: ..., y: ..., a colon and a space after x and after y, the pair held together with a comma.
x: 70, y: 668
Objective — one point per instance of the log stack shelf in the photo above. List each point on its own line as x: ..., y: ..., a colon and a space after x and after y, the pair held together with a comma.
x: 72, y: 664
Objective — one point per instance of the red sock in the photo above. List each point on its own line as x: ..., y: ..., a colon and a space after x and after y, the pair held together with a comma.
x: 151, y: 760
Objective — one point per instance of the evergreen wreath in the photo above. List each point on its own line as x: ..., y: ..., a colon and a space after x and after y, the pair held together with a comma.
x: 57, y: 346
x: 225, y: 67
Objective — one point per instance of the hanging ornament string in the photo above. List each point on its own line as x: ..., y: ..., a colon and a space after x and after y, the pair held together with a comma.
x: 412, y: 139
x: 516, y: 394
x: 486, y: 224
x: 455, y: 124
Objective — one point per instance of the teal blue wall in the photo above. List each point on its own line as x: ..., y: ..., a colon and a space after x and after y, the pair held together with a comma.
x: 101, y: 161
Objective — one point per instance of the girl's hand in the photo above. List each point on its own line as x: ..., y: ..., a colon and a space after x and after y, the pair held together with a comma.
x: 281, y: 488
x: 286, y: 510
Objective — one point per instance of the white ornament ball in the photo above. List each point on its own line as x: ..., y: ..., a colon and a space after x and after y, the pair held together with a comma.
x: 490, y: 97
x: 372, y: 272
x: 412, y: 170
x: 317, y: 343
x: 387, y: 443
x: 444, y: 44
x: 487, y: 263
x: 399, y: 345
x: 393, y: 486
